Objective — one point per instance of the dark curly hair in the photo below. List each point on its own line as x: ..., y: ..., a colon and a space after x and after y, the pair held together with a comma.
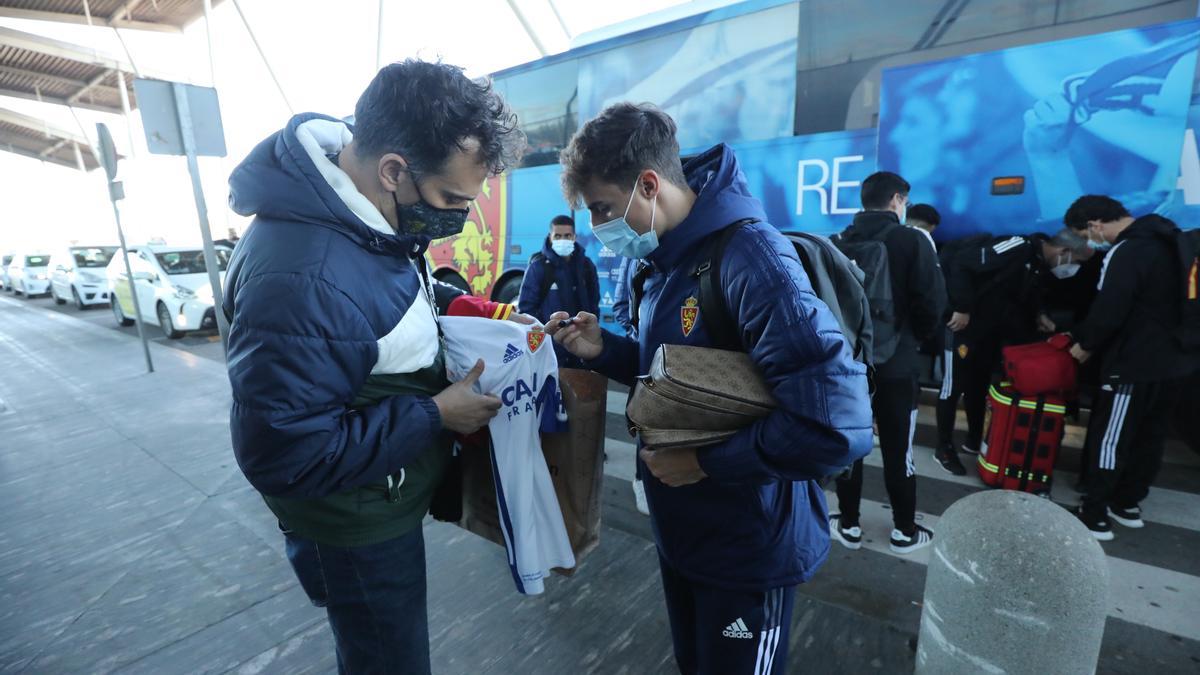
x: 423, y: 111
x: 617, y: 145
x: 1093, y: 207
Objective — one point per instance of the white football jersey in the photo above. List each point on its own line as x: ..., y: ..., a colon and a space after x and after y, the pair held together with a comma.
x: 520, y: 367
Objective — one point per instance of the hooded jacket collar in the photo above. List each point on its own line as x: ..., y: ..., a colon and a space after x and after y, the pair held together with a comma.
x: 722, y: 198
x: 869, y: 224
x: 290, y: 177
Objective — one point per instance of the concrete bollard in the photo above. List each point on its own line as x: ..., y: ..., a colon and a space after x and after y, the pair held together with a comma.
x: 1016, y: 584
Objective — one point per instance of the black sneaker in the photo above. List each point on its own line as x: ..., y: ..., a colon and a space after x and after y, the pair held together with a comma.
x: 948, y: 458
x: 1100, y: 527
x: 904, y: 544
x: 1131, y: 517
x: 970, y: 450
x: 850, y: 537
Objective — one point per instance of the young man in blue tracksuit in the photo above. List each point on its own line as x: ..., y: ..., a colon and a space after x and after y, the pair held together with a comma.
x: 740, y: 524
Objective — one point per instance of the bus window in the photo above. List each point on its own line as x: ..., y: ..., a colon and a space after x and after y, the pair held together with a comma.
x: 546, y: 105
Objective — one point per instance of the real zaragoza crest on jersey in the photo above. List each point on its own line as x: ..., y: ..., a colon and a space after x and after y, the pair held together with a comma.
x: 688, y: 314
x: 963, y: 351
x: 535, y: 338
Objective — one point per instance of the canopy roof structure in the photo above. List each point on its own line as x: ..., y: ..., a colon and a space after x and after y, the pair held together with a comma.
x: 41, y: 69
x: 32, y: 137
x: 156, y: 15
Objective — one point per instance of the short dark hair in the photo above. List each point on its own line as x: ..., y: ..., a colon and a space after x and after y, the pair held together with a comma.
x: 617, y: 145
x: 563, y: 220
x: 424, y: 111
x: 1093, y: 207
x: 924, y: 213
x: 878, y: 188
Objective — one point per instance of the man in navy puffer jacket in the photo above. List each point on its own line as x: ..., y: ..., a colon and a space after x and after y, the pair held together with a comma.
x: 739, y: 524
x: 332, y: 315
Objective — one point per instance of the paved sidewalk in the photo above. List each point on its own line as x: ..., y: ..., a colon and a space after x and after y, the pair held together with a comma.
x: 130, y: 541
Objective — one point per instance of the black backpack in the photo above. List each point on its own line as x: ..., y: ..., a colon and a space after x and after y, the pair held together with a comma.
x: 835, y: 279
x: 1187, y: 247
x: 871, y: 256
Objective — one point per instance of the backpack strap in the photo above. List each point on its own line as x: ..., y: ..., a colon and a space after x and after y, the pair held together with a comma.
x: 637, y: 289
x: 721, y: 325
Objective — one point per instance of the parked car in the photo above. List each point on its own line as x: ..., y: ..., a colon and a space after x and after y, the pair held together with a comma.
x: 78, y: 274
x: 172, y: 288
x: 5, y: 261
x: 29, y: 274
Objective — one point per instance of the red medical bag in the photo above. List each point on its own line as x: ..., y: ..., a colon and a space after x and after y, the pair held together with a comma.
x: 1023, y: 438
x: 1042, y: 367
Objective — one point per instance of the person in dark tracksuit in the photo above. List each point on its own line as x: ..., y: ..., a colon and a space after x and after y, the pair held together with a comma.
x: 1131, y: 330
x: 573, y: 284
x: 560, y: 277
x: 621, y: 315
x: 738, y: 524
x: 621, y: 297
x: 919, y: 294
x: 995, y: 300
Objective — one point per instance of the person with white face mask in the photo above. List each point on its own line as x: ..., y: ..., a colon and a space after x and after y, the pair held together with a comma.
x: 560, y: 277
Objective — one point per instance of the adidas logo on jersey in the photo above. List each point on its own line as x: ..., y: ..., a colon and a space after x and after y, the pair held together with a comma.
x: 512, y: 353
x: 738, y: 629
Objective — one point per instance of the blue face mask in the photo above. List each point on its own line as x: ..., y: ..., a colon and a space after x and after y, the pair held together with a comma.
x: 620, y: 238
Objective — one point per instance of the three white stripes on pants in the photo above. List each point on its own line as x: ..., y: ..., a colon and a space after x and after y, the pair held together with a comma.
x: 947, y: 374
x: 1116, y: 420
x: 768, y: 638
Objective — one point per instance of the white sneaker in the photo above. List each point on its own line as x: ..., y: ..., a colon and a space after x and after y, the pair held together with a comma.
x: 903, y: 544
x: 1127, y: 517
x: 639, y: 495
x: 850, y: 537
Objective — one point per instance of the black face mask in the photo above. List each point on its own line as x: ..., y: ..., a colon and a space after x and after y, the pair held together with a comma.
x: 425, y: 220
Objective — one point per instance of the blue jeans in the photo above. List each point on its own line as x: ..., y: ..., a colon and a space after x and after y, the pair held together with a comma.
x: 375, y: 598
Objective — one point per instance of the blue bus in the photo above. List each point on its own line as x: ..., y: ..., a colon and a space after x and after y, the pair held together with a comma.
x: 998, y: 113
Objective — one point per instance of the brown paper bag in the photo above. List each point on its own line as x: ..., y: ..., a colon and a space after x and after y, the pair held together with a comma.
x: 575, y: 460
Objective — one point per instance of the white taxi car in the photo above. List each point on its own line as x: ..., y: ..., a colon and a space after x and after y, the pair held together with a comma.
x: 29, y: 274
x: 5, y: 261
x: 78, y: 274
x: 172, y: 288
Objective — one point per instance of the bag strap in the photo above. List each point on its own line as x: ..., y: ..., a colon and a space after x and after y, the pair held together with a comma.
x: 721, y: 325
x: 637, y: 289
x: 1031, y: 445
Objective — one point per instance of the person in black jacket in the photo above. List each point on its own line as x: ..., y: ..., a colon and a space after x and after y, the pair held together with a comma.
x: 995, y: 297
x: 1131, y: 328
x: 560, y: 277
x: 919, y: 295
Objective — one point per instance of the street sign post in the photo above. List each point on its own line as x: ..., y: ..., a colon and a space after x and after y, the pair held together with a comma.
x: 116, y: 192
x: 183, y: 119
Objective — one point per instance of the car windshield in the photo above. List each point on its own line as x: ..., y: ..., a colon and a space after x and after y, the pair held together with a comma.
x: 190, y: 262
x: 94, y: 256
x: 36, y: 261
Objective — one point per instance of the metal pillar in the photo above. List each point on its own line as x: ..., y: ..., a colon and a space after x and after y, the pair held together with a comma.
x: 512, y: 4
x: 208, y: 31
x: 125, y: 110
x: 263, y: 56
x: 379, y: 39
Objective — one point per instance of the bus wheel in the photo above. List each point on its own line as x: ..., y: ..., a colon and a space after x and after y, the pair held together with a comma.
x: 509, y: 290
x: 454, y: 279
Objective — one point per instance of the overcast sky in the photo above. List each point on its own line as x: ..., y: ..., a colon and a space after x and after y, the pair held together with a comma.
x: 324, y: 54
